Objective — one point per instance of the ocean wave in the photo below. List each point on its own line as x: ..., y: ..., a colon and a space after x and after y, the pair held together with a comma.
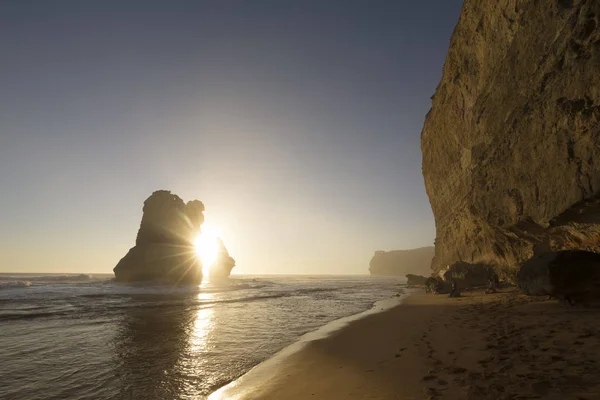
x: 316, y: 290
x: 48, y: 278
x: 28, y: 315
x: 249, y: 299
x: 14, y: 284
x: 170, y: 304
x: 66, y: 278
x: 97, y: 299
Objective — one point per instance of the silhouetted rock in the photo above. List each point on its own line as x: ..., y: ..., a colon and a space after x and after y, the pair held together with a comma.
x: 164, y: 249
x: 224, y: 263
x: 436, y: 285
x: 415, y: 280
x: 573, y: 276
x: 511, y: 146
x: 454, y: 290
x: 402, y: 262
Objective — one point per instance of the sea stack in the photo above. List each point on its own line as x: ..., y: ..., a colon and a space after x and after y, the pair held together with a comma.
x: 224, y: 263
x: 164, y: 249
x: 511, y: 145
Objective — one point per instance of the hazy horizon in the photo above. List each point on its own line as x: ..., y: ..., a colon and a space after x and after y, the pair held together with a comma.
x: 297, y: 125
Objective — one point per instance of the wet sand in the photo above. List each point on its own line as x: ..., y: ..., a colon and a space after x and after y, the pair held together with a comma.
x: 500, y: 346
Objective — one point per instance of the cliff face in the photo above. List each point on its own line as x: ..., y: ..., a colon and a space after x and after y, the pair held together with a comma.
x: 511, y: 145
x: 402, y: 262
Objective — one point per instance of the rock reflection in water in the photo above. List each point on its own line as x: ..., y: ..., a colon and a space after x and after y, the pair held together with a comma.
x: 160, y: 345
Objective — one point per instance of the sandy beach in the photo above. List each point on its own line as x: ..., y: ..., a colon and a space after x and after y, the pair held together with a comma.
x: 499, y: 346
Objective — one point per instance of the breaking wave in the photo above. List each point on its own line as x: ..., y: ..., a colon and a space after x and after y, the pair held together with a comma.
x: 14, y: 284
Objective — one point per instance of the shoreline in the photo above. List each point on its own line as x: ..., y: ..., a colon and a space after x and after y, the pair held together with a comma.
x: 260, y: 374
x: 499, y: 346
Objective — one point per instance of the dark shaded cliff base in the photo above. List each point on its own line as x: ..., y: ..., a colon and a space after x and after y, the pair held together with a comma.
x: 500, y: 346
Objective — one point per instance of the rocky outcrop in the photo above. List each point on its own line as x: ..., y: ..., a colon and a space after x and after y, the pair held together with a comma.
x: 468, y: 276
x: 572, y: 276
x: 164, y: 248
x: 415, y: 280
x: 511, y: 145
x: 402, y: 262
x: 436, y: 285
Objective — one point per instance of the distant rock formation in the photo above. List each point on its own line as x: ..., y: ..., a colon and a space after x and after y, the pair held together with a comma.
x: 224, y: 263
x: 402, y: 262
x: 511, y: 145
x: 164, y: 248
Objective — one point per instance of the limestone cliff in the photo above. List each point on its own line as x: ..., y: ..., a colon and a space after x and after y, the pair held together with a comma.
x: 402, y: 262
x: 164, y: 249
x: 511, y: 145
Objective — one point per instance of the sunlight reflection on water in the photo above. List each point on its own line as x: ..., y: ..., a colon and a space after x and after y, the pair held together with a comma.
x: 193, y: 365
x: 155, y: 342
x: 203, y: 325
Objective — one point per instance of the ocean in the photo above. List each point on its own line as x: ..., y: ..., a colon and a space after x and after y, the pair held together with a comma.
x: 87, y: 337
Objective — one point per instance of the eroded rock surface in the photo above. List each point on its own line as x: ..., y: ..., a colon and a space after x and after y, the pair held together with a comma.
x: 164, y: 249
x: 511, y: 146
x: 468, y: 276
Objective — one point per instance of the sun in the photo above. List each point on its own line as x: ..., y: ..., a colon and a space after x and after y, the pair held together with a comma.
x: 207, y: 247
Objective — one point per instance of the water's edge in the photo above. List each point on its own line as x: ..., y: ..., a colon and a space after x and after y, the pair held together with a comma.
x: 264, y: 370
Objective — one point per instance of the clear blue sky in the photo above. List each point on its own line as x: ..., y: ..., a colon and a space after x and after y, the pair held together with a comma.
x: 297, y: 123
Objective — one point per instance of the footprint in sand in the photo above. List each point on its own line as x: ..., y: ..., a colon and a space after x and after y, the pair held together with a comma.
x: 474, y: 375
